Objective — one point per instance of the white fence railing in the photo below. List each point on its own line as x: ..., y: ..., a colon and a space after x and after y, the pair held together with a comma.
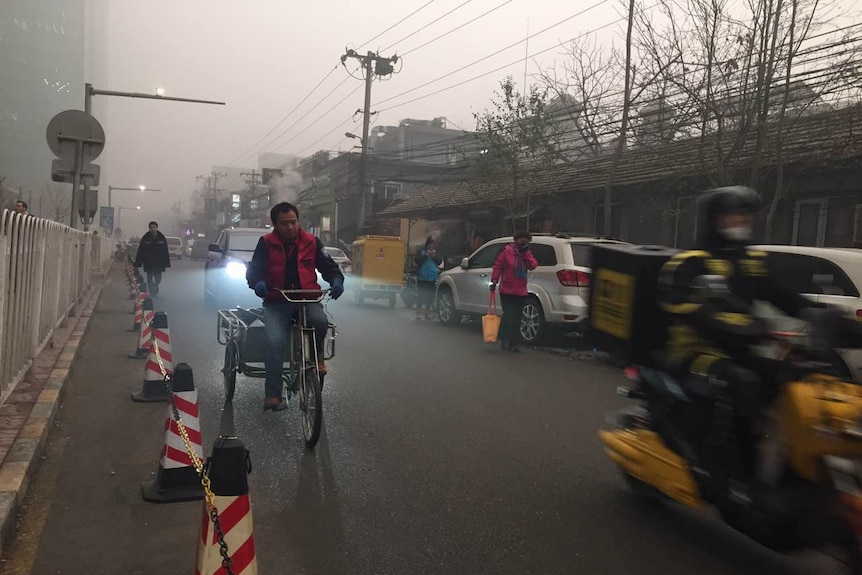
x: 45, y: 267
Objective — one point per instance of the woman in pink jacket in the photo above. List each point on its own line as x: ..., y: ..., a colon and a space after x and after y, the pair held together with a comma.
x: 510, y: 271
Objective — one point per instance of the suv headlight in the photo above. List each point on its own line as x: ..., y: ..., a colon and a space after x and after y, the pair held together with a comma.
x: 236, y: 270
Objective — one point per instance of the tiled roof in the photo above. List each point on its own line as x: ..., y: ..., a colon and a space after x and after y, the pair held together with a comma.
x: 829, y: 136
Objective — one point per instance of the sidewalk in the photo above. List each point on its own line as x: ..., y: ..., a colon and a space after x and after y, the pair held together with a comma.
x: 28, y: 414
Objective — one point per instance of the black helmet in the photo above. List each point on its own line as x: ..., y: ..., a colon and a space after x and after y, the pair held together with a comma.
x: 719, y: 201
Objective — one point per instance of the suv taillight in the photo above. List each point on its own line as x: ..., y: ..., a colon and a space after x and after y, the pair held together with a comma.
x: 572, y: 278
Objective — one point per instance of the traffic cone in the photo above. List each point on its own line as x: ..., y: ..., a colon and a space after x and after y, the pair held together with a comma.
x: 145, y: 331
x: 177, y: 479
x: 228, y: 470
x: 154, y: 389
x: 139, y: 311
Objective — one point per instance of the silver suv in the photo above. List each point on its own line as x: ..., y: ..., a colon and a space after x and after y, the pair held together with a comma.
x: 558, y: 287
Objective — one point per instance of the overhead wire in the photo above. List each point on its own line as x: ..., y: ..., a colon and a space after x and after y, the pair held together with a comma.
x: 286, y: 116
x: 501, y: 50
x: 432, y: 22
x: 467, y: 23
x: 396, y: 24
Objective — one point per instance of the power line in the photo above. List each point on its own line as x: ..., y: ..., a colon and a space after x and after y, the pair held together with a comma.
x: 411, y: 34
x: 468, y: 22
x: 396, y: 24
x: 552, y: 26
x: 290, y: 113
x: 322, y: 116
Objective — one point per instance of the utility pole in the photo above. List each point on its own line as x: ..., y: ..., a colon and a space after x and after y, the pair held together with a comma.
x: 382, y: 67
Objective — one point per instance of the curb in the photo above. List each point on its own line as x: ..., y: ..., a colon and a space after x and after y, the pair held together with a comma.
x: 22, y: 460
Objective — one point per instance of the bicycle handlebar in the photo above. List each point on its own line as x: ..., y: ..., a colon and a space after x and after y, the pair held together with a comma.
x: 320, y: 294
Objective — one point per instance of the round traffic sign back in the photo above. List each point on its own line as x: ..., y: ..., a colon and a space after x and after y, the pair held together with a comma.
x: 68, y: 128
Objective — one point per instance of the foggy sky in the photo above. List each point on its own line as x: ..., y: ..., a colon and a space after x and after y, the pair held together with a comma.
x: 263, y: 56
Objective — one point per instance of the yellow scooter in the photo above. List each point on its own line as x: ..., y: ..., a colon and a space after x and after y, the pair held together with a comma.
x: 808, y: 489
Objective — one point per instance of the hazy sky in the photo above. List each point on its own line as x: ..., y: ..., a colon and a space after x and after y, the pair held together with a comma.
x: 263, y: 57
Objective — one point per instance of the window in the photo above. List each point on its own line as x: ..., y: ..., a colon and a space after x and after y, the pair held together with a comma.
x: 810, y: 275
x: 390, y: 191
x: 809, y: 223
x: 545, y: 255
x: 244, y: 242
x: 222, y: 241
x: 583, y: 252
x: 485, y: 257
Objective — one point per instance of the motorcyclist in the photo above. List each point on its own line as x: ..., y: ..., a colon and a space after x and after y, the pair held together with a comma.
x: 710, y: 338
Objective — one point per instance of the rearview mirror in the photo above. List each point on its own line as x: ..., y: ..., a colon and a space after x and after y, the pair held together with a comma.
x: 215, y: 248
x: 465, y: 263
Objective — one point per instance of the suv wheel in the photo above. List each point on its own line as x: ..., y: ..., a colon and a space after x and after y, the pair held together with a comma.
x: 446, y: 307
x: 532, y: 322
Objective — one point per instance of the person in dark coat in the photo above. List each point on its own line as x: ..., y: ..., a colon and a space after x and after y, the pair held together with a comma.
x: 153, y: 255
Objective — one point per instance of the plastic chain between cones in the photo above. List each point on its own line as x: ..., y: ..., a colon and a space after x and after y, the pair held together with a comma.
x: 209, y: 497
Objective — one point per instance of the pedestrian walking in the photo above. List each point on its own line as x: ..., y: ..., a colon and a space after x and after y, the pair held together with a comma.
x: 510, y: 272
x: 428, y: 265
x: 154, y: 257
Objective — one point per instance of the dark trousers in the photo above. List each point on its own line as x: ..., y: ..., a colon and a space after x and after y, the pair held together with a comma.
x: 277, y: 319
x: 154, y: 278
x: 426, y: 295
x: 738, y: 390
x: 510, y: 327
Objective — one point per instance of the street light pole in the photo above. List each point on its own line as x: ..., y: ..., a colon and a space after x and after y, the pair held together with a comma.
x: 89, y: 92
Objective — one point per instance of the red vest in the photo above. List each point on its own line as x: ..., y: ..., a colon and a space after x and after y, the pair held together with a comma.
x: 306, y: 263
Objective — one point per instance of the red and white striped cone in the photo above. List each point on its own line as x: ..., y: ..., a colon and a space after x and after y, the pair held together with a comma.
x: 228, y: 470
x: 145, y: 333
x: 139, y: 311
x: 177, y: 479
x: 154, y: 390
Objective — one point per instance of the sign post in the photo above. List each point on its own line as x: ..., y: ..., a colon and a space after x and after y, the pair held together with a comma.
x: 76, y: 138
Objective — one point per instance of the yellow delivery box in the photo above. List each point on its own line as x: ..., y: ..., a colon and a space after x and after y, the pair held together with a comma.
x: 378, y: 268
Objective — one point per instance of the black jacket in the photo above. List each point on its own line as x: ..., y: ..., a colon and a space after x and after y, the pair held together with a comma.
x: 718, y: 328
x: 153, y: 253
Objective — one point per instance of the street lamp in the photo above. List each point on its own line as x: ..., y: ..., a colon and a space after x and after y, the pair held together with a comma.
x: 355, y: 137
x: 138, y: 189
x: 120, y: 212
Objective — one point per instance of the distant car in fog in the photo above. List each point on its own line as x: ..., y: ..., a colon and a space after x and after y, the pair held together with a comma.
x: 200, y: 249
x: 175, y: 247
x: 339, y: 257
x: 227, y: 261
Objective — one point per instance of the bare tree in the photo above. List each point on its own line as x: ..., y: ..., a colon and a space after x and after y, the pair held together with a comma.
x: 519, y: 144
x: 57, y: 199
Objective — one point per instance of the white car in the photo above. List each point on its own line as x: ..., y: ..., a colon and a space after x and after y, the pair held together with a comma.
x: 828, y: 275
x: 558, y: 288
x: 339, y: 257
x: 175, y: 247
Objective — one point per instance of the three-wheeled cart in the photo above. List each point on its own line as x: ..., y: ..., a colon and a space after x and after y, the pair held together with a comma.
x: 378, y: 268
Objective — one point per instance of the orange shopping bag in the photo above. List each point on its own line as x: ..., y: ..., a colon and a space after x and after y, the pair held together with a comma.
x: 491, y: 321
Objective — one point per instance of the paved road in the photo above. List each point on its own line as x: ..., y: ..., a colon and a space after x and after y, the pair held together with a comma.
x: 440, y: 454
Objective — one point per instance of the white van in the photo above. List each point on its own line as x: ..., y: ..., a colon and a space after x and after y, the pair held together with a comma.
x: 175, y: 247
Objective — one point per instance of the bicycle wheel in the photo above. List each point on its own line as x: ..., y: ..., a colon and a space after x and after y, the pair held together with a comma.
x: 310, y: 406
x: 229, y: 369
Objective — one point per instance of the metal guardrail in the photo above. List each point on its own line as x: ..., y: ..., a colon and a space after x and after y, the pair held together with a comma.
x: 45, y: 267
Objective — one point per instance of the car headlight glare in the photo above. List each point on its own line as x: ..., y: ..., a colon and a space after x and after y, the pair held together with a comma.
x: 236, y: 270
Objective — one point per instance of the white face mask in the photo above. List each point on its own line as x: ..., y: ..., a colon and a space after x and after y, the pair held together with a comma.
x: 740, y: 234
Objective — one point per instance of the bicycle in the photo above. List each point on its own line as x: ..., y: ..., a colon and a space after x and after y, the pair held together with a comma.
x: 244, y: 343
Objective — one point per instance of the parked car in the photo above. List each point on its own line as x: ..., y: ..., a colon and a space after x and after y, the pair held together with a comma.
x: 175, y: 247
x: 558, y: 287
x: 200, y: 249
x: 339, y: 257
x: 227, y: 262
x: 828, y: 275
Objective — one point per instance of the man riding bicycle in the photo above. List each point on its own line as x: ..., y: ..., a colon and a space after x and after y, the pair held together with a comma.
x: 287, y: 258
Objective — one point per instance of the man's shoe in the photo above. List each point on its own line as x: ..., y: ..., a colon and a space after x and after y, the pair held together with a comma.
x: 274, y: 403
x: 321, y: 367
